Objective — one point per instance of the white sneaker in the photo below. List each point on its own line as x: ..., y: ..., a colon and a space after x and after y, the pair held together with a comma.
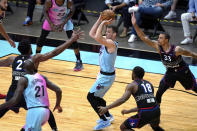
x: 170, y: 15
x: 102, y: 125
x: 110, y: 118
x: 132, y: 38
x: 133, y: 9
x: 186, y: 41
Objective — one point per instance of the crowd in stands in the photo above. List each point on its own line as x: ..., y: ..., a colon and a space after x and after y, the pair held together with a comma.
x: 151, y: 8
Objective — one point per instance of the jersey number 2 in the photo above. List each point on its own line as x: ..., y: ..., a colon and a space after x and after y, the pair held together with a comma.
x: 19, y: 67
x: 38, y: 90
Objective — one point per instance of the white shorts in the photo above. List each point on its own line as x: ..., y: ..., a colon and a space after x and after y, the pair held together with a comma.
x: 36, y: 117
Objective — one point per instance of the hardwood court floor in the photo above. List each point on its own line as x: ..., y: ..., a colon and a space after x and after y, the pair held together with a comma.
x: 178, y: 108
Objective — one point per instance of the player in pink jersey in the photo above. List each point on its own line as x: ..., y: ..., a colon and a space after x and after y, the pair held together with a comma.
x: 58, y: 18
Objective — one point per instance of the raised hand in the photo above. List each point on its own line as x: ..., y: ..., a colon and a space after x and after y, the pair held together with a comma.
x: 77, y: 35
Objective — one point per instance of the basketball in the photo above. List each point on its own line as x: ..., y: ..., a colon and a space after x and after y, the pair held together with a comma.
x: 107, y: 15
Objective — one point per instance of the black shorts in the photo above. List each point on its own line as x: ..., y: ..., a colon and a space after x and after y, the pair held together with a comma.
x: 144, y: 116
x: 21, y: 103
x: 45, y: 33
x: 183, y: 75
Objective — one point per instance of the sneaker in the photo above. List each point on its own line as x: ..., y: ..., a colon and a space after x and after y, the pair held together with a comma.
x: 133, y: 9
x: 110, y: 118
x: 123, y: 34
x: 186, y: 41
x: 98, y: 121
x: 2, y: 96
x: 132, y: 38
x: 102, y: 125
x: 78, y: 66
x: 15, y: 109
x: 170, y: 15
x: 27, y: 22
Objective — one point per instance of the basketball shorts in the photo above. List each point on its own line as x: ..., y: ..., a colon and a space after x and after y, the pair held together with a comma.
x: 36, y: 117
x: 183, y: 75
x: 102, y: 84
x: 144, y: 116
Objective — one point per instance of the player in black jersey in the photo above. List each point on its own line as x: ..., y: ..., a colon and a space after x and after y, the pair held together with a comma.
x: 3, y: 8
x: 171, y: 57
x: 17, y: 63
x: 147, y: 107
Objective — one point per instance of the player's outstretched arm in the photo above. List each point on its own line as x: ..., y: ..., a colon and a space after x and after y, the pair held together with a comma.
x: 7, y: 62
x: 5, y: 35
x: 43, y: 57
x: 94, y: 28
x: 22, y: 83
x: 58, y: 92
x: 101, y: 39
x: 129, y: 111
x: 118, y: 102
x: 182, y: 51
x: 141, y: 34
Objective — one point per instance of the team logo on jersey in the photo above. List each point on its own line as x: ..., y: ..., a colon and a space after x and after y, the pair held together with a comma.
x: 99, y: 87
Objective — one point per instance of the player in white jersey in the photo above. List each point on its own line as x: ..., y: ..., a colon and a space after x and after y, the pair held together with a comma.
x: 106, y: 76
x: 33, y: 86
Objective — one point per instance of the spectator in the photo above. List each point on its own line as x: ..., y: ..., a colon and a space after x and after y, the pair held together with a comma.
x: 154, y: 8
x: 172, y: 13
x: 121, y: 7
x: 30, y: 11
x: 191, y: 15
x: 126, y: 18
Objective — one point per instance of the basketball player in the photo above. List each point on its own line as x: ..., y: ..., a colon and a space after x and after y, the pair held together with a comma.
x: 171, y: 57
x: 147, y: 107
x: 106, y: 76
x: 34, y: 88
x: 58, y: 14
x: 17, y: 63
x: 3, y: 8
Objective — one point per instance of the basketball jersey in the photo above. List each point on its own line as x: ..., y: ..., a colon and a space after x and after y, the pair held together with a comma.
x: 57, y: 14
x: 36, y: 92
x: 144, y: 96
x: 106, y: 59
x: 17, y: 70
x: 169, y: 59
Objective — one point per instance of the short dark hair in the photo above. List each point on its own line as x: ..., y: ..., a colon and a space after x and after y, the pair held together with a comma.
x: 24, y: 47
x: 139, y: 72
x: 114, y: 29
x: 167, y: 36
